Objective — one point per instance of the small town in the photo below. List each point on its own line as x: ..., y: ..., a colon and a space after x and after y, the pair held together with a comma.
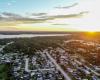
x: 50, y: 64
x: 49, y: 39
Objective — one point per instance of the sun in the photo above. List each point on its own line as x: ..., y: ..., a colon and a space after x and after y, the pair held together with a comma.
x: 91, y: 34
x: 92, y: 31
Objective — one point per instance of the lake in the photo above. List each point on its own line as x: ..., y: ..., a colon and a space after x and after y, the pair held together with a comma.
x: 2, y: 36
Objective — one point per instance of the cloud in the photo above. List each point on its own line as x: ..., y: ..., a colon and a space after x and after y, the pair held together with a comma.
x: 65, y: 16
x: 70, y: 15
x: 10, y: 14
x: 39, y: 14
x: 67, y: 7
x: 5, y: 16
x: 60, y: 24
x: 1, y: 17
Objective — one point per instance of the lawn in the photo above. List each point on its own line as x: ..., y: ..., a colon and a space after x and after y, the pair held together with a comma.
x: 3, y: 72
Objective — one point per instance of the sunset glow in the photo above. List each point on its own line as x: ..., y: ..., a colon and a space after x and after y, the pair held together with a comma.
x: 66, y: 15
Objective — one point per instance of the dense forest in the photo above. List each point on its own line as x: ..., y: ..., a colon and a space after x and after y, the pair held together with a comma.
x: 30, y: 45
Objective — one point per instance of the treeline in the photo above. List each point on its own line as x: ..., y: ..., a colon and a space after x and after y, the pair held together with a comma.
x: 30, y: 45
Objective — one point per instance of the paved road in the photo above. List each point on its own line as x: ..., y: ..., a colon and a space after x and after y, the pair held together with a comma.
x: 58, y: 67
x: 5, y: 46
x: 26, y: 64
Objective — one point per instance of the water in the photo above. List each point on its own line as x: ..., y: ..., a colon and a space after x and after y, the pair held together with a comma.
x: 29, y: 35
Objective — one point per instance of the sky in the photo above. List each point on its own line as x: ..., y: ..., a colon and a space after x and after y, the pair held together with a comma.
x: 49, y: 15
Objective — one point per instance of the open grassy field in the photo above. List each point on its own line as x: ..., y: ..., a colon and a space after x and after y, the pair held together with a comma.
x: 3, y: 72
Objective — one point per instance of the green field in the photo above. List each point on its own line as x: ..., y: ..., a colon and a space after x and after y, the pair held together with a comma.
x: 4, y: 72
